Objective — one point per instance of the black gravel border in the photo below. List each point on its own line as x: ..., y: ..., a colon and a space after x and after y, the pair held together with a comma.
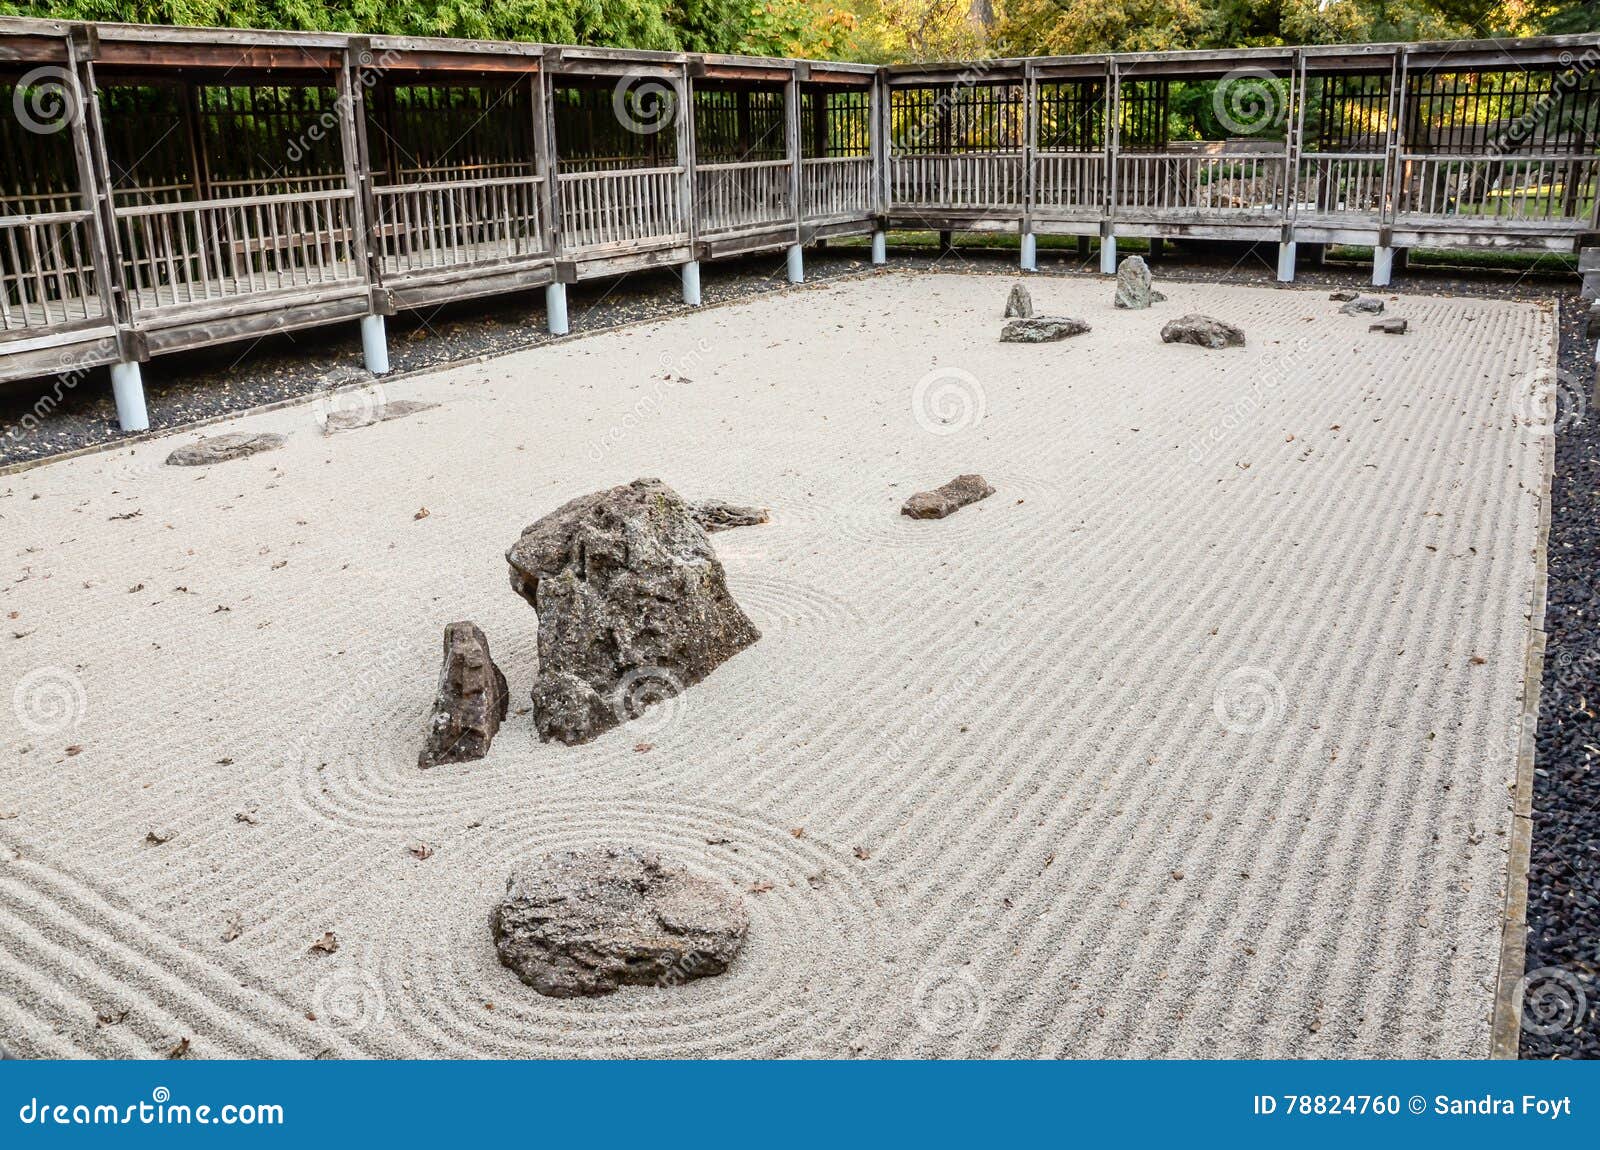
x: 1562, y: 1005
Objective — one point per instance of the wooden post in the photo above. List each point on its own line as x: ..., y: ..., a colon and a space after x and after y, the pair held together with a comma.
x: 683, y: 94
x: 94, y: 193
x: 544, y: 159
x: 364, y: 243
x: 1030, y: 143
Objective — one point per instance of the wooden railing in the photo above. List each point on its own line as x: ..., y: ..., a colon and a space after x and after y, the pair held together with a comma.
x: 960, y: 180
x: 1070, y: 183
x: 47, y: 277
x: 837, y: 186
x: 621, y: 206
x: 455, y: 223
x: 1351, y: 187
x: 1558, y: 189
x: 191, y: 252
x: 738, y: 197
x: 1217, y: 184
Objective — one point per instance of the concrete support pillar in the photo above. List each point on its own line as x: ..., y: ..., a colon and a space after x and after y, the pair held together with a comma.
x: 880, y: 248
x: 797, y: 264
x: 555, y: 308
x: 1108, y: 255
x: 1030, y: 252
x: 374, y: 345
x: 1382, y: 266
x: 691, y: 283
x: 127, y: 388
x: 1286, y: 262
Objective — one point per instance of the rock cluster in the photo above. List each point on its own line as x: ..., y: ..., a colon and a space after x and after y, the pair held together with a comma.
x: 1042, y: 329
x: 586, y: 922
x: 1133, y: 285
x: 948, y: 499
x: 1202, y: 331
x: 628, y: 591
x: 221, y: 448
x: 471, y: 701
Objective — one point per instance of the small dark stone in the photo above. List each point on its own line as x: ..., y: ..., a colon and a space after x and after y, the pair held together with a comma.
x: 1202, y: 331
x: 1019, y: 304
x: 1042, y: 329
x: 471, y: 701
x: 1344, y: 295
x: 633, y: 607
x: 1389, y: 326
x: 221, y: 448
x: 367, y: 416
x: 1363, y: 305
x: 586, y: 922
x: 948, y: 499
x: 720, y: 515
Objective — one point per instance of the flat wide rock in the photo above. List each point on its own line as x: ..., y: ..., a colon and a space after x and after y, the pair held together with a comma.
x: 1392, y: 326
x: 586, y: 922
x: 1363, y: 305
x: 1133, y: 285
x: 720, y: 515
x: 948, y: 499
x: 633, y: 607
x: 367, y: 416
x: 470, y: 703
x: 221, y: 448
x: 1019, y: 304
x: 1202, y: 331
x: 1043, y: 329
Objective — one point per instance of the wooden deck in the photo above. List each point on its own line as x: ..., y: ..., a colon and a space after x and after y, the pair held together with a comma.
x: 221, y: 183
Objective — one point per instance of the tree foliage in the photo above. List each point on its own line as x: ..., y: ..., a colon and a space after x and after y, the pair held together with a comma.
x: 872, y: 30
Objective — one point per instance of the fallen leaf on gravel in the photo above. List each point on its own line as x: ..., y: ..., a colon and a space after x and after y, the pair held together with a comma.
x: 798, y: 832
x: 159, y: 835
x: 233, y: 927
x: 74, y: 751
x: 761, y: 887
x: 4, y: 815
x: 422, y: 513
x: 136, y: 588
x: 248, y: 817
x: 1177, y: 876
x: 327, y: 944
x: 111, y: 1017
x: 863, y: 853
x: 421, y: 852
x: 643, y: 748
x: 181, y: 1050
x: 1478, y: 660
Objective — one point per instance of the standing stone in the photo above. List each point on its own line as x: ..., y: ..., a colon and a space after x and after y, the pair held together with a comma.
x: 1042, y: 329
x: 471, y: 702
x: 586, y: 922
x: 633, y: 605
x: 1019, y: 304
x: 1202, y: 331
x: 221, y: 448
x: 947, y: 500
x: 1133, y: 285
